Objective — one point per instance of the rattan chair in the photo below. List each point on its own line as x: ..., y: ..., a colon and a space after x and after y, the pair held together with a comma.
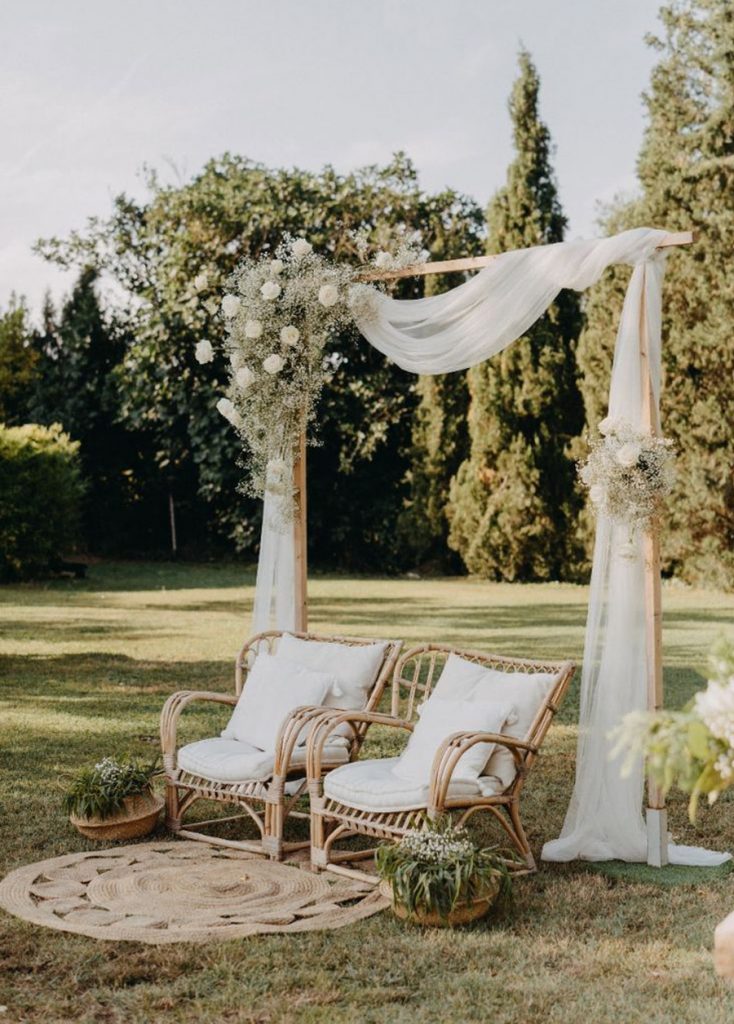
x: 267, y: 801
x: 417, y: 671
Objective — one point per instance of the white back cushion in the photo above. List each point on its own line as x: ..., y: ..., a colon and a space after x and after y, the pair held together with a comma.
x: 525, y: 691
x: 274, y: 687
x: 438, y: 720
x: 355, y: 668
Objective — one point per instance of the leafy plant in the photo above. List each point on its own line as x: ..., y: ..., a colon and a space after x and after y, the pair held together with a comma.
x: 692, y: 749
x: 100, y: 792
x: 432, y: 869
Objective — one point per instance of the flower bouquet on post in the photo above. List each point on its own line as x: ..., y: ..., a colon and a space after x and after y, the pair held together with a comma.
x: 438, y: 877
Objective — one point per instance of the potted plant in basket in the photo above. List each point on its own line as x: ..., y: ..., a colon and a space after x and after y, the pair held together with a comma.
x: 438, y: 876
x: 114, y: 800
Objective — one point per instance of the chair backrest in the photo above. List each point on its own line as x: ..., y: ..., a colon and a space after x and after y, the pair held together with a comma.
x: 418, y: 670
x: 268, y: 642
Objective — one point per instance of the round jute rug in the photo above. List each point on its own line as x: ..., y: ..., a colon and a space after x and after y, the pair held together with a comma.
x: 181, y: 892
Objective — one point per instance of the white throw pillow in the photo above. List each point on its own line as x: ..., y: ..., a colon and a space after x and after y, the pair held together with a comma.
x: 458, y: 679
x: 440, y: 719
x: 274, y: 687
x: 526, y: 691
x: 355, y: 667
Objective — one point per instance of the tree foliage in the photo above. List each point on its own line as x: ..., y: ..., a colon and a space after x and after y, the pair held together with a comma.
x: 686, y: 171
x: 171, y: 255
x: 514, y: 502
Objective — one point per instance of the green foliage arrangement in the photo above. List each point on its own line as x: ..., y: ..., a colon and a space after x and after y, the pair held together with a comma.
x: 100, y: 792
x: 41, y: 491
x: 432, y: 869
x: 692, y: 749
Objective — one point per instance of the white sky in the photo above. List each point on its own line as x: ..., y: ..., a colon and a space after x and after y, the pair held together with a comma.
x: 92, y: 89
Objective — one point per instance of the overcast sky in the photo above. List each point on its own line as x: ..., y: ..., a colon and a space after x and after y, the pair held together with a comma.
x: 92, y: 89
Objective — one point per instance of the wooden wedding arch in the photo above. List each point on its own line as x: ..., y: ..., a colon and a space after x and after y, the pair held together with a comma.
x: 657, y: 826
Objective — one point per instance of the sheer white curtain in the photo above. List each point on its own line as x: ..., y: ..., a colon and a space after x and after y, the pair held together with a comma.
x: 464, y: 327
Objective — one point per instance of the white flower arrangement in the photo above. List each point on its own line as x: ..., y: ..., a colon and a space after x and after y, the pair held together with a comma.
x: 628, y: 473
x: 280, y: 312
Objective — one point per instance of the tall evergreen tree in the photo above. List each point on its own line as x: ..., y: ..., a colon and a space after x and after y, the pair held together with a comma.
x: 514, y: 502
x: 686, y: 172
x: 18, y: 363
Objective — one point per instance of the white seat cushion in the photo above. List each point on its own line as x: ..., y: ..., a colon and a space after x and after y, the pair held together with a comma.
x: 225, y: 760
x: 273, y: 689
x: 372, y: 785
x: 355, y: 667
x: 438, y: 720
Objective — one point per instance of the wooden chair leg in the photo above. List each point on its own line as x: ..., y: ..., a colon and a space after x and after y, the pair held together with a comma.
x: 523, y: 844
x: 173, y: 810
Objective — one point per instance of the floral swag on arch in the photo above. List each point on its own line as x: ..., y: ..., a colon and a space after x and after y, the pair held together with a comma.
x: 279, y: 312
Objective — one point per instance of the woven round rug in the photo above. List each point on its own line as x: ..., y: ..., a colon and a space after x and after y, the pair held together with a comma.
x: 181, y: 892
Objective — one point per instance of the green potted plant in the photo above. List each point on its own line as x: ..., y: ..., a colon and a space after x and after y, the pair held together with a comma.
x: 114, y: 800
x: 438, y: 876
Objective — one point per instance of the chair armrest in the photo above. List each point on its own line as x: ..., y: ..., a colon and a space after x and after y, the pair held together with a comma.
x: 329, y: 721
x: 171, y: 712
x: 453, y: 749
x: 290, y: 731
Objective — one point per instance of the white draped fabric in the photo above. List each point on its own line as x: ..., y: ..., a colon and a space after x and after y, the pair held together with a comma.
x: 459, y: 329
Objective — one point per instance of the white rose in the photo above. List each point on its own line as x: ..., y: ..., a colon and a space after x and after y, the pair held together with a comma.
x: 596, y: 493
x: 230, y: 306
x: 236, y: 359
x: 253, y: 329
x: 301, y: 248
x: 383, y: 260
x: 244, y: 377
x: 276, y: 266
x: 204, y: 352
x: 607, y: 425
x: 628, y: 454
x: 274, y: 363
x: 270, y: 290
x: 201, y: 280
x: 328, y: 295
x: 227, y: 409
x: 289, y: 335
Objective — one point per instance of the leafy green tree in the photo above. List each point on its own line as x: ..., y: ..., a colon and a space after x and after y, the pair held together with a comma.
x: 686, y: 172
x: 514, y: 502
x: 171, y: 256
x: 18, y: 363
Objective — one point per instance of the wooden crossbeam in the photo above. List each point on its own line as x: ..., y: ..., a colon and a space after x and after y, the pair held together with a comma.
x: 478, y: 262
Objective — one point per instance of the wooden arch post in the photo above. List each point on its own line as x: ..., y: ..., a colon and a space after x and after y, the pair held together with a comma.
x: 300, y: 534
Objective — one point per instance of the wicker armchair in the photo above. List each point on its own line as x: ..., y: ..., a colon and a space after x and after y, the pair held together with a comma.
x: 271, y: 797
x: 334, y: 817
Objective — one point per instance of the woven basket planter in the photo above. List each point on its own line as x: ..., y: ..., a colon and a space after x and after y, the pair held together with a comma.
x: 464, y: 912
x: 138, y: 817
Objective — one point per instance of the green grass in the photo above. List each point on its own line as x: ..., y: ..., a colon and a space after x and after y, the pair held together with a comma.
x: 85, y: 668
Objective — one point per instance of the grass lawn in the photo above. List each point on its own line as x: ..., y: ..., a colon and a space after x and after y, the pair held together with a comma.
x: 85, y: 668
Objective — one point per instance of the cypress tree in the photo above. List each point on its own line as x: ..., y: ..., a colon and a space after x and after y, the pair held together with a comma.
x: 686, y: 171
x: 514, y: 502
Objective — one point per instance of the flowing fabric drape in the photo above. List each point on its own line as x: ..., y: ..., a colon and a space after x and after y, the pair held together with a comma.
x: 459, y: 329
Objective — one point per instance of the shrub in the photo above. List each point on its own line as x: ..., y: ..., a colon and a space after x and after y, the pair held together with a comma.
x: 40, y: 496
